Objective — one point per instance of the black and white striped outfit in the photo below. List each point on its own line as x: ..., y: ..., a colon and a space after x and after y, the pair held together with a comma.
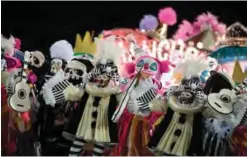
x: 145, y: 99
x: 56, y: 90
x: 78, y: 145
x: 244, y: 119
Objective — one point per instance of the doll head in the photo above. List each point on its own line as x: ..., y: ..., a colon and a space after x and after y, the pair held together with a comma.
x: 77, y: 70
x: 61, y: 52
x: 107, y: 59
x: 151, y: 67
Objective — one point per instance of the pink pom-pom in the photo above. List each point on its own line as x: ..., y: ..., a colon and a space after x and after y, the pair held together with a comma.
x: 168, y: 16
x: 32, y: 78
x: 17, y: 43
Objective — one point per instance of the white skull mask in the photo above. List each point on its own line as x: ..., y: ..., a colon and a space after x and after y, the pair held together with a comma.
x: 37, y: 59
x: 75, y: 72
x: 56, y: 65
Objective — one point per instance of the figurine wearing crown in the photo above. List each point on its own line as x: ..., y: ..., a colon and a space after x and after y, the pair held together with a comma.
x: 99, y: 98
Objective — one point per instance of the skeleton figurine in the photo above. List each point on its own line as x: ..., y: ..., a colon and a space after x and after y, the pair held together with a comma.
x: 98, y: 100
x: 75, y: 72
x: 61, y: 53
x: 51, y: 118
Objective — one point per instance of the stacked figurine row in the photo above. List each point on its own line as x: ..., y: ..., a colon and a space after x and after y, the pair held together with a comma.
x: 129, y: 92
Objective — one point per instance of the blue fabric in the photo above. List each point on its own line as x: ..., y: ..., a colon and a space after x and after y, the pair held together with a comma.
x: 230, y: 54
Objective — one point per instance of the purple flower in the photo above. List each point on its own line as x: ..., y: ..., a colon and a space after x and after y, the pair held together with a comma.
x: 148, y: 22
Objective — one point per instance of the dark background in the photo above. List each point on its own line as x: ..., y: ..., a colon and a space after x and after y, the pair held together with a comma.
x: 39, y: 24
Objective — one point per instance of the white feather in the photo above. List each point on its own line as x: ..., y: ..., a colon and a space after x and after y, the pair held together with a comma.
x: 191, y: 67
x: 108, y: 49
x: 47, y: 88
x: 62, y: 49
x: 8, y: 44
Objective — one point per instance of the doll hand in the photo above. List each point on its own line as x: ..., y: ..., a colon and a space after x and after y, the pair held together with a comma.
x: 73, y: 93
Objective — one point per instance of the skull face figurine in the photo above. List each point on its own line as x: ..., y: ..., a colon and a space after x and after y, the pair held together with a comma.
x: 186, y: 97
x: 56, y: 65
x: 77, y: 70
x: 37, y: 59
x: 103, y: 80
x: 61, y: 52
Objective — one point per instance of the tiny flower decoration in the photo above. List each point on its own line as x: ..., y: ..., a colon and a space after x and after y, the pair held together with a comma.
x: 167, y: 17
x: 149, y: 23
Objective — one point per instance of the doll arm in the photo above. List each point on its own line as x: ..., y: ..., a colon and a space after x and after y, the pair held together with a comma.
x: 158, y: 104
x: 57, y: 90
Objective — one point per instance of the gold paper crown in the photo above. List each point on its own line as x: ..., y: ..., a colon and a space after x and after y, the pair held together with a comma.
x: 238, y: 75
x: 85, y: 46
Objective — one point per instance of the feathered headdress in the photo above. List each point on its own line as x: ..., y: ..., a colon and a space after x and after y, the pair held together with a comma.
x: 190, y: 67
x: 107, y: 58
x: 62, y: 49
x: 202, y: 22
x: 8, y: 45
x: 107, y: 49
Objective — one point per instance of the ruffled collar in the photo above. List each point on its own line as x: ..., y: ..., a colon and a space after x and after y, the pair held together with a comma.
x: 196, y: 106
x: 94, y: 90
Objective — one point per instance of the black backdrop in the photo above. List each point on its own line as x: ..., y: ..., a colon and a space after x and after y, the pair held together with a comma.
x: 39, y: 24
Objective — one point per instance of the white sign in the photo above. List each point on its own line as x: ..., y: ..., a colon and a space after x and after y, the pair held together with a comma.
x: 165, y: 50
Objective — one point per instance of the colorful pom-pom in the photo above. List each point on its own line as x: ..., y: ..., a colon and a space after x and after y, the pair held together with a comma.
x: 148, y: 22
x: 168, y: 16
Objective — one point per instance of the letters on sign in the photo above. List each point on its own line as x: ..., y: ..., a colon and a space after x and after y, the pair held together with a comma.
x: 166, y: 49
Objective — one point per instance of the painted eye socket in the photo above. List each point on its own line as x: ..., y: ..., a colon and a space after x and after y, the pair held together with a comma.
x: 79, y: 72
x: 36, y: 60
x: 140, y: 63
x: 153, y: 67
x: 225, y: 98
x: 66, y: 70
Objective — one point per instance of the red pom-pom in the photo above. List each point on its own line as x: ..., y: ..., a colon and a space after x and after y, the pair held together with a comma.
x: 168, y: 16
